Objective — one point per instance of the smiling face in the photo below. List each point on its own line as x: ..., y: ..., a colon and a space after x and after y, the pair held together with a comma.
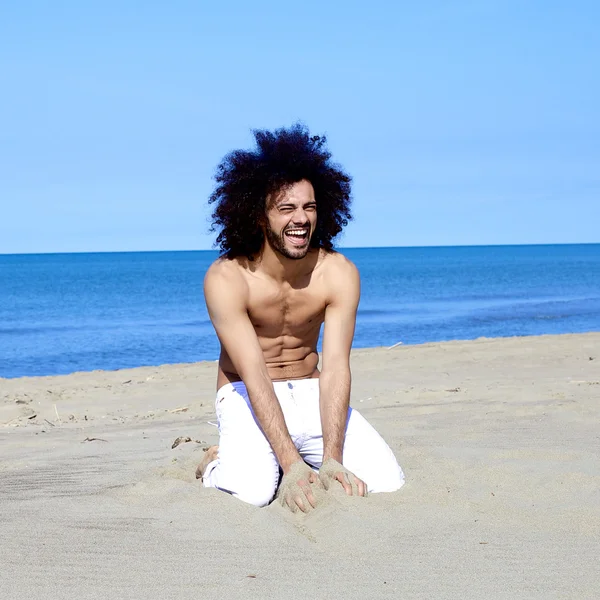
x: 291, y: 220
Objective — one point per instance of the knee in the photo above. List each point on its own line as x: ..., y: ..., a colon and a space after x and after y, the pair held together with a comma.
x: 258, y: 495
x: 387, y: 479
x: 255, y: 487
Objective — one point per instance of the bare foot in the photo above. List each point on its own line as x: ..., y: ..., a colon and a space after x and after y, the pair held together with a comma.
x: 210, y: 455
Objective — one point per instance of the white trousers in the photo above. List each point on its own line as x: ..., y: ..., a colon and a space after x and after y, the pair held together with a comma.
x: 246, y: 465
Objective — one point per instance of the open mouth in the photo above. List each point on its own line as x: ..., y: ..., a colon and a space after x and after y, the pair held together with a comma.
x: 297, y: 236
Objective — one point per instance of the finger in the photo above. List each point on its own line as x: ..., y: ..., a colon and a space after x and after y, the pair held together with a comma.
x: 352, y: 479
x: 341, y: 477
x: 309, y: 496
x: 362, y: 488
x: 353, y: 487
x: 300, y: 504
x: 315, y: 479
x: 291, y: 505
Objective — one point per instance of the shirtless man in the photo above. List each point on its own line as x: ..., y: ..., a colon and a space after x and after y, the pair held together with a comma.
x: 277, y: 281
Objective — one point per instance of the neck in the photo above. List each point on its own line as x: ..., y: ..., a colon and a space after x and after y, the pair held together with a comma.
x: 281, y: 268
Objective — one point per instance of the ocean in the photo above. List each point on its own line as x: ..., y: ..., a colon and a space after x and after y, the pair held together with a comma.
x: 61, y: 313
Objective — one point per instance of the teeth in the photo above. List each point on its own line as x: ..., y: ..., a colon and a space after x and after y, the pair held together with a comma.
x: 296, y: 232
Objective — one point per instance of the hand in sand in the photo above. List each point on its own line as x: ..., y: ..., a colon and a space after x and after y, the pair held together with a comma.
x: 295, y: 490
x: 331, y: 470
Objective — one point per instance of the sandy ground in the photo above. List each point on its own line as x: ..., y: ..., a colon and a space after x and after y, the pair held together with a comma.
x: 499, y: 440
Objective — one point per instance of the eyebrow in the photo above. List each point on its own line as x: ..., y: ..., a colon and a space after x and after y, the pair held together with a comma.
x: 285, y: 203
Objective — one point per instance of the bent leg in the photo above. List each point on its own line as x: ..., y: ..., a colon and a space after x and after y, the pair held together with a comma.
x: 365, y: 452
x: 368, y: 456
x: 246, y: 466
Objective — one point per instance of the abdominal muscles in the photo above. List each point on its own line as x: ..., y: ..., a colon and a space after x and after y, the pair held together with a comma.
x: 286, y: 357
x: 300, y: 364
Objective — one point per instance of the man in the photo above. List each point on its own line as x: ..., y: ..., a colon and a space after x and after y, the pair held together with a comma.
x: 278, y: 280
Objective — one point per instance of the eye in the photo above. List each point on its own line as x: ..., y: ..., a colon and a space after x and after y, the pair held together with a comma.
x: 286, y: 208
x: 311, y: 206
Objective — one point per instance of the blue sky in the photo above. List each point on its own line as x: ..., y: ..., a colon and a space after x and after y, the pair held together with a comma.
x: 465, y: 122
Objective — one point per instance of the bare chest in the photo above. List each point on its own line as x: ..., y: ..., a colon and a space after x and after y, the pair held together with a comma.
x: 282, y: 310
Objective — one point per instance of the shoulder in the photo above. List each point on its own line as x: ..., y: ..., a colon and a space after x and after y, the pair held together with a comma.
x: 341, y: 280
x: 337, y: 267
x: 225, y: 272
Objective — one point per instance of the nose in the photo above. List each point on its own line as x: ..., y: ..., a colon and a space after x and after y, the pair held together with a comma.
x: 300, y: 217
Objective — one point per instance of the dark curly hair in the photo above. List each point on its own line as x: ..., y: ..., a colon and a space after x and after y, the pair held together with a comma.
x: 281, y: 158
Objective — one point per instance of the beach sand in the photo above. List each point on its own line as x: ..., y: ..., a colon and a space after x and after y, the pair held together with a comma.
x: 499, y: 440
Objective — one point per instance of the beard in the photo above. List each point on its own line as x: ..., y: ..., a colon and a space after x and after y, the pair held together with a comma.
x: 277, y: 242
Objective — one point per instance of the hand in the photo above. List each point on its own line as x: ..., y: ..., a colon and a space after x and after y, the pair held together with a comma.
x: 331, y: 470
x: 295, y: 489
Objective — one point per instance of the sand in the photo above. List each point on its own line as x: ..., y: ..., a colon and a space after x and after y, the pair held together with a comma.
x: 499, y: 440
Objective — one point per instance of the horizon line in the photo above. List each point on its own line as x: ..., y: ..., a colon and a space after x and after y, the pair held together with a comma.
x: 336, y: 249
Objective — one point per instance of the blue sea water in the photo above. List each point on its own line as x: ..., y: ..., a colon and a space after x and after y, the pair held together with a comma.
x: 61, y: 313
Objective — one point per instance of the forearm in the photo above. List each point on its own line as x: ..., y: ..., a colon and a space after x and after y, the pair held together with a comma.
x: 334, y: 394
x: 270, y: 417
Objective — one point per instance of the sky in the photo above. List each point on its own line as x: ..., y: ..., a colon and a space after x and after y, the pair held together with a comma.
x: 461, y: 122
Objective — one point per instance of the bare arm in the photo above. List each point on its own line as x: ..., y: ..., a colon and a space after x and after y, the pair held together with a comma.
x: 335, y: 380
x: 340, y: 317
x: 226, y: 295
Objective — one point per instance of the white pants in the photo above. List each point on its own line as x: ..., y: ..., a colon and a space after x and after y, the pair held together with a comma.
x: 246, y: 465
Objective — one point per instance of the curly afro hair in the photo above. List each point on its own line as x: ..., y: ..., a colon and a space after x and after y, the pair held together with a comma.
x: 246, y: 178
